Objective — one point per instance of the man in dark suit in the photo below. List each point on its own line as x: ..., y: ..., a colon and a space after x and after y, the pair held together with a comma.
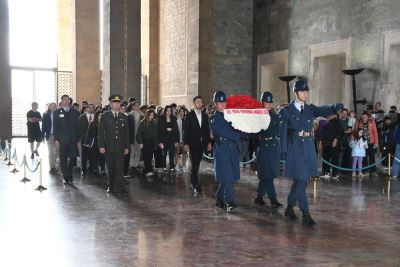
x: 84, y: 121
x: 66, y: 136
x: 114, y: 143
x: 196, y: 138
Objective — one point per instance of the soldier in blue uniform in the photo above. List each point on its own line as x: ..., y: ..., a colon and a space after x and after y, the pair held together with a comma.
x: 298, y: 149
x: 226, y: 155
x: 268, y: 163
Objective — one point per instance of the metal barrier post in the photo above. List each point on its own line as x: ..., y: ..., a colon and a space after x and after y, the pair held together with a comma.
x: 25, y: 179
x: 9, y: 163
x: 6, y: 150
x: 14, y: 170
x: 390, y: 166
x: 40, y: 187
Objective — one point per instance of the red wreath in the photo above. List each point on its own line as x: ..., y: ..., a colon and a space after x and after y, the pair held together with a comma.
x: 242, y: 102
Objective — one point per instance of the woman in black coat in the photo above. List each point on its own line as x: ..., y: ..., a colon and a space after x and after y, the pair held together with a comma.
x: 168, y: 137
x: 147, y: 138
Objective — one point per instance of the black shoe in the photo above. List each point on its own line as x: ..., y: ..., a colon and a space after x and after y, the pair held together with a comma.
x: 83, y: 174
x: 196, y: 189
x: 220, y: 204
x: 289, y: 213
x: 230, y: 207
x: 32, y: 156
x: 66, y: 182
x: 109, y: 190
x: 260, y: 201
x: 307, y: 220
x: 275, y: 204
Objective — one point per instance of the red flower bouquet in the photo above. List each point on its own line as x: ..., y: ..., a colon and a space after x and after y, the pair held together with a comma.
x: 246, y: 114
x: 242, y: 102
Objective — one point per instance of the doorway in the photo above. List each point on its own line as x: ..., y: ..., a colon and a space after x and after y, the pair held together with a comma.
x: 30, y: 85
x: 329, y: 80
x: 270, y: 74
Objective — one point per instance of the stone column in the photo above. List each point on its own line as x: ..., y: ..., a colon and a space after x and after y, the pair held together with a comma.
x: 86, y: 45
x: 150, y: 29
x: 232, y: 40
x: 199, y: 50
x: 122, y: 63
x: 5, y: 73
x: 65, y: 23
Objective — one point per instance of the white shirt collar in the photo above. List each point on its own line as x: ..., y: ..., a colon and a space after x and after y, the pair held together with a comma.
x: 298, y: 105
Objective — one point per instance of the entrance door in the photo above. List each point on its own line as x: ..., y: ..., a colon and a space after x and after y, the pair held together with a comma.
x: 30, y: 85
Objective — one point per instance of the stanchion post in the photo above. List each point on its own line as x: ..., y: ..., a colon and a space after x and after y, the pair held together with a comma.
x: 25, y: 179
x: 15, y: 170
x: 40, y: 187
x: 315, y: 188
x: 390, y: 166
x: 7, y: 149
x: 9, y: 163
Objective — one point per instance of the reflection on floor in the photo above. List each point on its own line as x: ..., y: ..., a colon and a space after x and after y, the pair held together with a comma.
x: 161, y: 223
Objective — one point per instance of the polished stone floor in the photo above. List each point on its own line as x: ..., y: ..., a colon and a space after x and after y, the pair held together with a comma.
x: 161, y: 223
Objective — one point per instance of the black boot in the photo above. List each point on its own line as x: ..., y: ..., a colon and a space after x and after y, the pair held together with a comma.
x: 307, y: 220
x: 289, y: 213
x: 230, y: 206
x: 275, y: 204
x: 220, y: 204
x: 259, y: 200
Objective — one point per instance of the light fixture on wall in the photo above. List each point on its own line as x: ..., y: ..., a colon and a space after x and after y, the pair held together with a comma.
x: 287, y: 79
x: 353, y: 73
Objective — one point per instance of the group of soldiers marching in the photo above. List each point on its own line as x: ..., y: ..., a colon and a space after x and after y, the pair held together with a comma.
x: 289, y: 137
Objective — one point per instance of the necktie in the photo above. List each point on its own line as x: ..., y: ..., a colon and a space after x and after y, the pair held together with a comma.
x: 66, y: 109
x: 90, y: 118
x: 116, y: 115
x: 301, y: 109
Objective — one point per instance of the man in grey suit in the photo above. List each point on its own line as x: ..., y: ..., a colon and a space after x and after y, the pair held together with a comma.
x: 66, y: 136
x: 114, y: 143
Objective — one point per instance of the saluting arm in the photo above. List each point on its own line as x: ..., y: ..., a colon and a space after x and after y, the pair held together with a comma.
x: 324, y: 111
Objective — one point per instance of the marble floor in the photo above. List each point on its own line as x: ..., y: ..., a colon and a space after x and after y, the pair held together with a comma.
x: 161, y: 223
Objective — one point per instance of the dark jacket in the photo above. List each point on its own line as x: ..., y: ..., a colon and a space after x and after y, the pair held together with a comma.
x: 397, y: 135
x: 92, y: 133
x: 83, y: 126
x: 332, y: 130
x: 149, y: 132
x: 65, y: 128
x: 131, y: 128
x: 46, y: 125
x: 226, y: 153
x: 113, y: 133
x: 167, y: 137
x: 388, y: 138
x: 193, y: 134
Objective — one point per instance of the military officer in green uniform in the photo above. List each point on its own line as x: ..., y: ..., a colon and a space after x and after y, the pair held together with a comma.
x: 114, y: 143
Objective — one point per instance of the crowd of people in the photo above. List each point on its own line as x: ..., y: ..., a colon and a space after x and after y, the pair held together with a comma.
x: 159, y: 138
x: 354, y: 144
x: 124, y: 139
